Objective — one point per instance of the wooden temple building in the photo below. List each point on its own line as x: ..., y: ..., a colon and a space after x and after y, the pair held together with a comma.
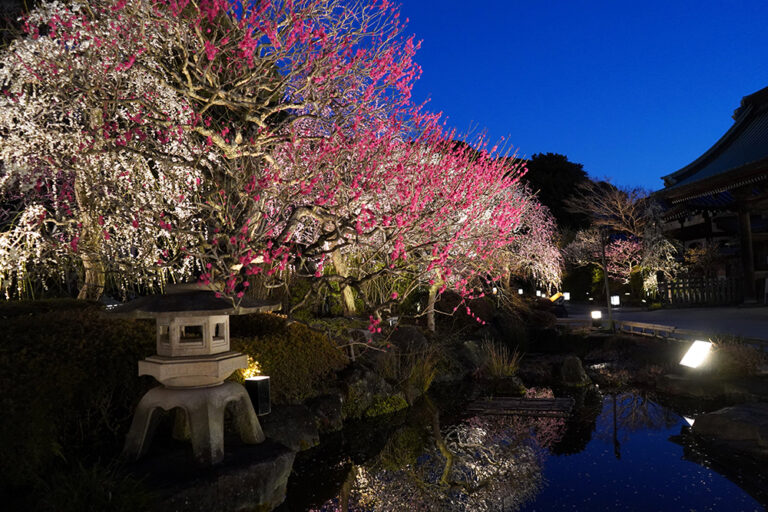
x: 721, y: 199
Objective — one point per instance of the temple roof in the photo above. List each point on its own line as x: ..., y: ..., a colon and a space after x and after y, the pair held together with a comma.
x: 742, y: 153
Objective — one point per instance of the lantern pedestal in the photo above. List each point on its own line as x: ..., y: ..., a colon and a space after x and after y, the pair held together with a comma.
x: 204, y: 409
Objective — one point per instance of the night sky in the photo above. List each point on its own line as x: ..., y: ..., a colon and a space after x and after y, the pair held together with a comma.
x: 632, y: 90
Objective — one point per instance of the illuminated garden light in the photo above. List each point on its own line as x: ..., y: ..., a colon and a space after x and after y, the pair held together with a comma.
x: 697, y: 354
x: 538, y: 293
x: 688, y: 420
x: 567, y: 295
x: 615, y: 300
x: 597, y: 317
x: 519, y: 291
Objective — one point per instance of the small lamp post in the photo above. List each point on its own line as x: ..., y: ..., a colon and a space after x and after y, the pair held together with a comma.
x: 519, y: 291
x: 615, y: 301
x: 567, y: 296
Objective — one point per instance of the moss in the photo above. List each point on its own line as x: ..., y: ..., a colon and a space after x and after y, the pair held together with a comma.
x: 355, y: 403
x: 385, y: 404
x: 299, y: 360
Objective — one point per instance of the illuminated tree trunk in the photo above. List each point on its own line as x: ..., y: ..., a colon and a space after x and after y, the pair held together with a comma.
x: 431, y: 306
x: 347, y: 295
x: 605, y: 279
x: 93, y: 267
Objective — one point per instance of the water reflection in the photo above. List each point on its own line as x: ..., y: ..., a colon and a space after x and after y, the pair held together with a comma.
x: 614, y: 452
x: 630, y: 413
x: 481, y: 463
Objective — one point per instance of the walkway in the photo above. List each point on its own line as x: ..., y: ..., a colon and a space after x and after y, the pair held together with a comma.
x: 749, y: 322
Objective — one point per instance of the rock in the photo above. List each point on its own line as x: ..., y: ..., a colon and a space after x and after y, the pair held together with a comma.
x: 292, y: 426
x: 572, y: 373
x: 327, y: 411
x: 743, y: 428
x: 408, y: 338
x: 508, y: 386
x: 471, y: 355
x: 255, y: 480
x: 696, y: 387
x: 363, y: 388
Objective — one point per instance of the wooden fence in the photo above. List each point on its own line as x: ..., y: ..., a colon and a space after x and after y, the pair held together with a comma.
x: 701, y: 290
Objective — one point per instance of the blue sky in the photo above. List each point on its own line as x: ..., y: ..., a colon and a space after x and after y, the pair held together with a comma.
x: 632, y: 90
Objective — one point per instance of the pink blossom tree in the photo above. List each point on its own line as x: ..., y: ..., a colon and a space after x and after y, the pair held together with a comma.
x: 228, y: 140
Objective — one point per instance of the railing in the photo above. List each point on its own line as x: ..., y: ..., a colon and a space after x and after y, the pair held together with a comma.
x: 666, y: 332
x: 701, y: 290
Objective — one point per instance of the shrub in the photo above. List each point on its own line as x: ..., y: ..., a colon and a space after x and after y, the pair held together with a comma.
x: 95, y: 488
x: 412, y: 372
x: 735, y: 358
x: 499, y: 361
x: 69, y: 385
x: 298, y: 359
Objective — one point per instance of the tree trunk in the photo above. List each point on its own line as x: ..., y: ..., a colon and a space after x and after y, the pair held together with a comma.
x: 431, y: 307
x: 347, y: 295
x: 93, y: 266
x: 605, y: 280
x: 95, y: 278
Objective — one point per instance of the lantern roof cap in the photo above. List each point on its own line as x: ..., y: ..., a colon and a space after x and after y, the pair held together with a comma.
x: 191, y: 300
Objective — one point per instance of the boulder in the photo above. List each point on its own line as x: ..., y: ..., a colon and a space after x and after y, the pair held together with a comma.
x: 743, y: 428
x: 408, y: 338
x: 255, y: 479
x: 327, y: 411
x: 690, y: 386
x: 573, y: 374
x: 363, y: 388
x: 292, y: 426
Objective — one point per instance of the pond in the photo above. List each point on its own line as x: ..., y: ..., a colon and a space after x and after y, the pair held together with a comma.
x: 620, y: 451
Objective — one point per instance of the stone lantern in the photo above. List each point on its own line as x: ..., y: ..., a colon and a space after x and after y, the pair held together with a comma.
x: 192, y: 362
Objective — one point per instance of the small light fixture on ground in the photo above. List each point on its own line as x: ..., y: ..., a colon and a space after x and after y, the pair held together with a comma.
x: 556, y: 297
x: 615, y: 300
x: 495, y: 290
x: 538, y: 293
x: 258, y: 391
x: 597, y: 318
x: 519, y: 291
x: 697, y: 354
x: 567, y: 295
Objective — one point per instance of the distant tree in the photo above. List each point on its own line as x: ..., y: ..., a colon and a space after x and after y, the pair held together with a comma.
x: 624, y: 236
x: 554, y: 179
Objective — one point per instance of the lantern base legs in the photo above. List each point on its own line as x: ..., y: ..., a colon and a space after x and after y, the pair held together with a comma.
x: 204, y: 410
